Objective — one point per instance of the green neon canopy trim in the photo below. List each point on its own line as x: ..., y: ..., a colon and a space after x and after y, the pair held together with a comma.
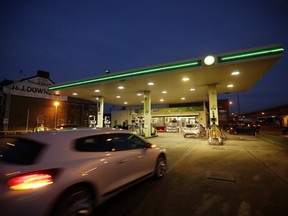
x: 252, y: 54
x: 226, y: 58
x: 128, y: 74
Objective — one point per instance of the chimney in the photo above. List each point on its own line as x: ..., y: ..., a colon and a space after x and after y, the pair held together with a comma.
x: 43, y: 74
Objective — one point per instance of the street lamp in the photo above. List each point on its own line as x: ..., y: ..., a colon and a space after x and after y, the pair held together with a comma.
x: 56, y: 104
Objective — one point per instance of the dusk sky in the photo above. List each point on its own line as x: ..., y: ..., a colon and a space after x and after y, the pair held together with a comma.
x: 79, y: 39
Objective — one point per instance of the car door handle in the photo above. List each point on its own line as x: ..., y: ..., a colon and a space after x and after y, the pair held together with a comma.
x: 123, y: 161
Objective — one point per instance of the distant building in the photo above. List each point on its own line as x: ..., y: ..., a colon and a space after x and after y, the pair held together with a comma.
x: 27, y: 104
x: 277, y: 115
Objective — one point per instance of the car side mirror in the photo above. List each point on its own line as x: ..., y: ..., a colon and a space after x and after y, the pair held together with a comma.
x: 148, y: 145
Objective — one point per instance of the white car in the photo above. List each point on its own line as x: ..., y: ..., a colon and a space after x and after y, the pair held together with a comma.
x: 194, y: 130
x: 70, y: 172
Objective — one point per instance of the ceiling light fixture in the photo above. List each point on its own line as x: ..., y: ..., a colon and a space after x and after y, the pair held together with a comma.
x: 230, y: 86
x: 150, y: 83
x: 186, y: 79
x: 235, y: 73
x: 120, y: 87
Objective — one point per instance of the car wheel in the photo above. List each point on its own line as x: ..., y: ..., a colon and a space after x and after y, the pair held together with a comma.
x: 160, y: 168
x: 77, y: 201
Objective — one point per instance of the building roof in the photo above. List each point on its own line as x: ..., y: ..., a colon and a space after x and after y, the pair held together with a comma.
x: 169, y: 86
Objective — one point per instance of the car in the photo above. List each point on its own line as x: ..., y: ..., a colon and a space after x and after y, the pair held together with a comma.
x: 67, y: 126
x: 171, y: 129
x: 243, y: 129
x: 69, y: 172
x: 194, y: 130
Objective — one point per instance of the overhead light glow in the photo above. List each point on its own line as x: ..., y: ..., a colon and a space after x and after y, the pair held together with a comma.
x: 96, y: 90
x: 118, y: 96
x: 185, y: 79
x: 235, y: 73
x: 75, y: 93
x: 183, y: 98
x: 125, y: 102
x: 120, y: 87
x: 192, y: 89
x: 230, y: 86
x: 150, y: 83
x: 139, y: 94
x: 164, y: 92
x: 161, y: 100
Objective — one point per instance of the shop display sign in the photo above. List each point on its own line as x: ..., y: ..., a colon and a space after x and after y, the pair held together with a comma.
x: 34, y: 87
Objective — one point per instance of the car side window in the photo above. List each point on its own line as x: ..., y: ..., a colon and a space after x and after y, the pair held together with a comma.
x: 137, y: 142
x: 122, y: 142
x: 109, y: 142
x: 98, y: 143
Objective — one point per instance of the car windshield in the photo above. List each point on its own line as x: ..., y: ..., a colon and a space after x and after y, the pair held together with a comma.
x: 19, y: 151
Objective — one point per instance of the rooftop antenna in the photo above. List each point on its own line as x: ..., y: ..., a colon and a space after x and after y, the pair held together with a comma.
x: 21, y: 74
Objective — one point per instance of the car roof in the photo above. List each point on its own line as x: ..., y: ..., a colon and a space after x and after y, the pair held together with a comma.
x: 69, y: 134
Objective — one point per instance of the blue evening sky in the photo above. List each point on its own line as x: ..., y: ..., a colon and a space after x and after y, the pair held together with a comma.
x: 78, y: 39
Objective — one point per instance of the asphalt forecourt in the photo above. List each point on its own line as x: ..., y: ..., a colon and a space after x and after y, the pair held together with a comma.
x: 245, y: 176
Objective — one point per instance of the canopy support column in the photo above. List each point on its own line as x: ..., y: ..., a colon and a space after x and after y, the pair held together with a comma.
x: 147, y: 114
x: 213, y: 106
x: 100, y: 112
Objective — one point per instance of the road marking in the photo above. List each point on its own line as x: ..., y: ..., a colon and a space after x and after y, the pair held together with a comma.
x: 181, y: 158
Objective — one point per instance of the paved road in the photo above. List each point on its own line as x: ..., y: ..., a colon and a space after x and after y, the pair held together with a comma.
x: 245, y: 176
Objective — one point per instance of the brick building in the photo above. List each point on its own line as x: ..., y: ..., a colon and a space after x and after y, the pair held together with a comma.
x: 27, y: 103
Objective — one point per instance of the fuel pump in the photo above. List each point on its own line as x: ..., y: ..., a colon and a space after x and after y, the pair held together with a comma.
x: 215, y: 135
x: 92, y: 121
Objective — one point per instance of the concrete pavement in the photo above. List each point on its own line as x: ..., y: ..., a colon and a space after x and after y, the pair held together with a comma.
x: 245, y: 176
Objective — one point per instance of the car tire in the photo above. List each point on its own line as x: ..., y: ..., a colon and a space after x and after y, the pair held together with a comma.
x: 160, y: 167
x: 75, y: 201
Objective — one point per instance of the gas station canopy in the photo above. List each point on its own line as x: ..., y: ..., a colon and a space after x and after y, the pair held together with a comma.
x: 178, y: 82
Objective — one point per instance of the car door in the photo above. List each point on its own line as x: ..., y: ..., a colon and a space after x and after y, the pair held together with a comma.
x: 100, y: 161
x: 130, y: 157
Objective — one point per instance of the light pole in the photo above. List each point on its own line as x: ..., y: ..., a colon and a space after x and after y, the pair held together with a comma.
x: 56, y: 104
